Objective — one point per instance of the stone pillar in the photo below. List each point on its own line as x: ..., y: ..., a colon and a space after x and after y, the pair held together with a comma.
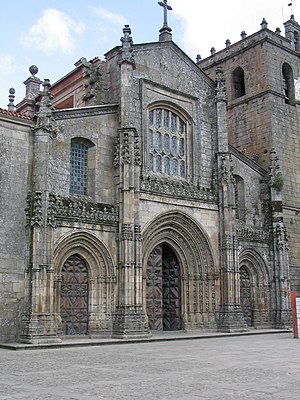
x: 231, y: 316
x: 282, y: 312
x: 40, y: 322
x: 129, y: 318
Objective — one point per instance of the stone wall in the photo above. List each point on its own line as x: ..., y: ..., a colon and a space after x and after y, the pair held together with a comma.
x: 15, y: 159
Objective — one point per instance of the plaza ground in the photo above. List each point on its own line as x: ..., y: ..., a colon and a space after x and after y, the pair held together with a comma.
x: 234, y: 367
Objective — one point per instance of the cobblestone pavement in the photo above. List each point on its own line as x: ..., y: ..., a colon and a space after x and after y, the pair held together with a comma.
x: 249, y: 367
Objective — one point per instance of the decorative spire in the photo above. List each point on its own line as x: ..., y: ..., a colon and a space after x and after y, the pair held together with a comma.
x: 228, y: 43
x: 45, y: 119
x: 264, y: 24
x: 11, y: 106
x: 127, y: 43
x: 212, y: 51
x: 165, y: 31
x: 243, y: 34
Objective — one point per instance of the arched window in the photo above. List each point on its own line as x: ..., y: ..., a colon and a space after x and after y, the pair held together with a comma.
x: 167, y: 135
x: 81, y: 167
x: 240, y: 197
x: 288, y: 84
x: 296, y: 40
x: 238, y: 82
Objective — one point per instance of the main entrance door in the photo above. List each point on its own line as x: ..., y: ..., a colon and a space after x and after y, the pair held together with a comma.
x: 246, y: 295
x: 74, y: 297
x: 163, y: 290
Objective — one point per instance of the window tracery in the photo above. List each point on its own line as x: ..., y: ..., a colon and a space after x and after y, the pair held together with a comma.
x: 167, y: 141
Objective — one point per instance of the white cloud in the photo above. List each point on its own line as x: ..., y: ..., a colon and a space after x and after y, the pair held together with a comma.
x: 116, y: 19
x: 54, y: 31
x: 209, y: 24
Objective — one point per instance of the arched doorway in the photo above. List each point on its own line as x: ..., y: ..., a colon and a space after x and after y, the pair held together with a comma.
x: 74, y: 296
x: 163, y: 293
x: 246, y: 295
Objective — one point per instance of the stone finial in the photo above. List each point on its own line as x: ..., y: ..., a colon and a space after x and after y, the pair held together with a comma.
x: 11, y: 97
x: 220, y: 91
x: 33, y: 69
x: 212, y: 51
x: 44, y: 119
x: 278, y: 31
x: 127, y: 49
x: 165, y: 32
x: 198, y: 59
x: 243, y: 34
x: 264, y: 24
x: 32, y: 84
x: 228, y: 43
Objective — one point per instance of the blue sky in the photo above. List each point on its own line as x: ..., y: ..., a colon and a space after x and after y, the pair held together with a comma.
x: 54, y: 34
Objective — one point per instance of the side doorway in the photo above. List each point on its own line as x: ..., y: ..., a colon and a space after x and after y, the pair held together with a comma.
x: 74, y: 295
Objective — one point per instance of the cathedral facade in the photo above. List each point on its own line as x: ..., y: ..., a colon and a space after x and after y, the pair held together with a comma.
x: 137, y: 196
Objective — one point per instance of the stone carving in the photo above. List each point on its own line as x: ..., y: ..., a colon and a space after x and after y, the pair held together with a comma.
x: 92, y: 74
x: 126, y: 232
x: 125, y: 150
x: 44, y: 118
x: 281, y: 237
x: 226, y: 169
x: 220, y: 91
x: 181, y: 189
x: 117, y: 151
x: 75, y: 209
x: 33, y: 211
x: 246, y: 232
x: 126, y: 51
x: 276, y: 179
x: 137, y: 233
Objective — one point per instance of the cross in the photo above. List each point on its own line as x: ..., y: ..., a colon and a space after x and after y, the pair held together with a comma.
x: 167, y: 8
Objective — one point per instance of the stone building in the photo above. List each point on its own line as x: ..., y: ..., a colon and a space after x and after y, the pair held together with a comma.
x: 138, y: 197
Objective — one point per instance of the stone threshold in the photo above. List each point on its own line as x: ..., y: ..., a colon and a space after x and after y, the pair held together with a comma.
x: 156, y: 337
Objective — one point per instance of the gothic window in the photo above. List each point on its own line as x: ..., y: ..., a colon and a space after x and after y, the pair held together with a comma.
x: 240, y: 197
x: 238, y: 82
x: 81, y: 170
x: 167, y: 136
x: 288, y: 84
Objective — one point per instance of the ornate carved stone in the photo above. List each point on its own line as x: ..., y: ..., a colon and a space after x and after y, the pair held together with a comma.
x: 220, y: 86
x: 176, y: 188
x: 126, y: 232
x: 44, y: 118
x: 75, y: 209
x: 246, y: 232
x: 127, y: 50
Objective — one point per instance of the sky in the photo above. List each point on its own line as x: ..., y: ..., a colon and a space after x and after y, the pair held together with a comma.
x: 54, y: 34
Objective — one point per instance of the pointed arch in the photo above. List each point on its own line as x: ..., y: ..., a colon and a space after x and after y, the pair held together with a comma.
x: 90, y: 248
x: 199, y: 276
x: 101, y: 275
x: 251, y: 263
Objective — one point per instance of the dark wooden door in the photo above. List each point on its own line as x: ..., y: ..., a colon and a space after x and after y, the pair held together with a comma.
x: 74, y: 297
x: 246, y: 295
x: 163, y: 290
x: 171, y: 290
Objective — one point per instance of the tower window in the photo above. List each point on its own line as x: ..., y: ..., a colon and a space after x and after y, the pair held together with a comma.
x: 238, y: 82
x: 288, y: 84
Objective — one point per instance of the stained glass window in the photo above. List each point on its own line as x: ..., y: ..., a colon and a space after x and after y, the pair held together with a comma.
x: 79, y: 168
x: 167, y: 135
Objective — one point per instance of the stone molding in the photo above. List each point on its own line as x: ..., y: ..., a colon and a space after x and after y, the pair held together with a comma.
x: 250, y: 233
x: 68, y: 209
x: 176, y: 188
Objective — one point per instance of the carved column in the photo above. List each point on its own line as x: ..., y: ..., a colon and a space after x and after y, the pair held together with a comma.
x: 282, y: 310
x: 231, y: 316
x: 40, y: 322
x: 129, y: 318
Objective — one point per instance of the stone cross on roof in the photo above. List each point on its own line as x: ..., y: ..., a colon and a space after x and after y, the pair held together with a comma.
x: 167, y: 8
